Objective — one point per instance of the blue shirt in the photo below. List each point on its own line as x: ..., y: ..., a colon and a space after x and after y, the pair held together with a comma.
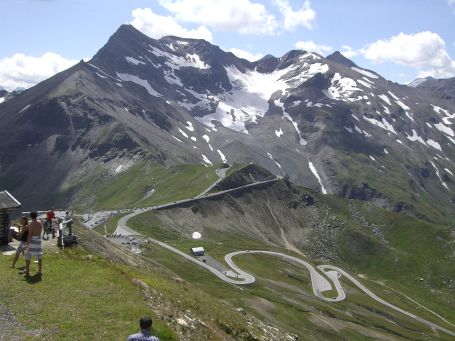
x: 142, y: 336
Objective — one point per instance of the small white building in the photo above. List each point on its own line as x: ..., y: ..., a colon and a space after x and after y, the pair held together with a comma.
x: 198, y: 251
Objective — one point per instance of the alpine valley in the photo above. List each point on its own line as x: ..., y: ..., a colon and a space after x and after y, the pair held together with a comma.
x: 363, y: 174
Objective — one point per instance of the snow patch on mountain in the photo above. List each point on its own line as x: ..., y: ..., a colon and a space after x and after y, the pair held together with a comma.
x: 386, y: 110
x: 384, y: 124
x: 177, y: 62
x: 142, y: 82
x: 104, y: 73
x: 279, y: 132
x: 401, y: 104
x: 385, y: 98
x: 434, y: 144
x: 446, y: 130
x: 24, y: 108
x: 365, y: 84
x: 171, y: 78
x: 207, y: 139
x: 205, y: 160
x: 316, y: 174
x: 248, y: 99
x: 440, y: 110
x: 271, y: 158
x: 415, y: 137
x: 223, y: 158
x: 409, y: 115
x: 393, y: 95
x: 439, y: 175
x: 189, y: 126
x: 448, y: 171
x: 342, y: 88
x: 364, y: 72
x: 302, y: 141
x: 183, y: 133
x: 360, y: 131
x: 444, y: 112
x: 100, y: 75
x: 451, y: 139
x: 134, y: 61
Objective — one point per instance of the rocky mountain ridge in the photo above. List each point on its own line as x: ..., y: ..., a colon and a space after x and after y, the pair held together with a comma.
x: 325, y: 122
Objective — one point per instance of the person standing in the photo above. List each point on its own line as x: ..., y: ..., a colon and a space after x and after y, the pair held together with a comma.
x: 146, y: 331
x: 50, y: 215
x: 23, y: 237
x: 34, y: 244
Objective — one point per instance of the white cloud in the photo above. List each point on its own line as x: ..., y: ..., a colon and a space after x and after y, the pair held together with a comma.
x: 311, y: 46
x: 425, y: 51
x: 451, y: 3
x: 242, y: 16
x: 21, y: 71
x: 348, y: 52
x: 293, y: 19
x: 252, y: 57
x: 157, y: 26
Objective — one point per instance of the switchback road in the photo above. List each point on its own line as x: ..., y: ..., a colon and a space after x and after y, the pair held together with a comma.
x: 321, y: 280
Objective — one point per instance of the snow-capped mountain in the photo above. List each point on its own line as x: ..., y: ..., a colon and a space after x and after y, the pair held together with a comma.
x: 325, y: 122
x: 443, y: 89
x: 3, y: 94
x: 418, y: 81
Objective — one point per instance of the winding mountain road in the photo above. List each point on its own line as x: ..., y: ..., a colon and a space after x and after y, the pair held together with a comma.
x: 321, y: 280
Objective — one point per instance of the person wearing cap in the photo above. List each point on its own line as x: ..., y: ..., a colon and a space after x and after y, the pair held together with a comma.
x: 146, y: 331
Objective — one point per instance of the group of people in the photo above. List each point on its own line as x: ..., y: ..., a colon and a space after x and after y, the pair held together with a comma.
x: 30, y: 243
x: 30, y: 238
x: 30, y: 246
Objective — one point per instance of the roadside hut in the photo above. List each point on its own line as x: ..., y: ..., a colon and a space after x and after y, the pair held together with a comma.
x: 197, y: 251
x: 8, y: 204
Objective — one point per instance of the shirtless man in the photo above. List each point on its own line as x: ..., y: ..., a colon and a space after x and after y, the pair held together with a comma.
x: 34, y: 244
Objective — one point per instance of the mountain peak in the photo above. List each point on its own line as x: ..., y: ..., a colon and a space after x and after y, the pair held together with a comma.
x: 418, y: 81
x: 338, y: 57
x: 126, y: 29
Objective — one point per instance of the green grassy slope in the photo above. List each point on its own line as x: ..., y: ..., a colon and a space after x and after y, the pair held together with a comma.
x: 144, y: 184
x: 76, y: 299
x: 391, y: 251
x: 98, y: 291
x: 396, y: 255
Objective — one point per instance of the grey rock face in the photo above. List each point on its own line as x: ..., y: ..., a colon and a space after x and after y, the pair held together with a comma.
x: 326, y: 123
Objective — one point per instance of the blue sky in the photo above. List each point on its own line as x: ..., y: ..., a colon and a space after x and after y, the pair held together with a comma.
x: 399, y: 39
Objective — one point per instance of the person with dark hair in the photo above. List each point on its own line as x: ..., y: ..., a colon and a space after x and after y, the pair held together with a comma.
x: 23, y: 237
x: 50, y: 215
x: 146, y: 331
x: 34, y: 244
